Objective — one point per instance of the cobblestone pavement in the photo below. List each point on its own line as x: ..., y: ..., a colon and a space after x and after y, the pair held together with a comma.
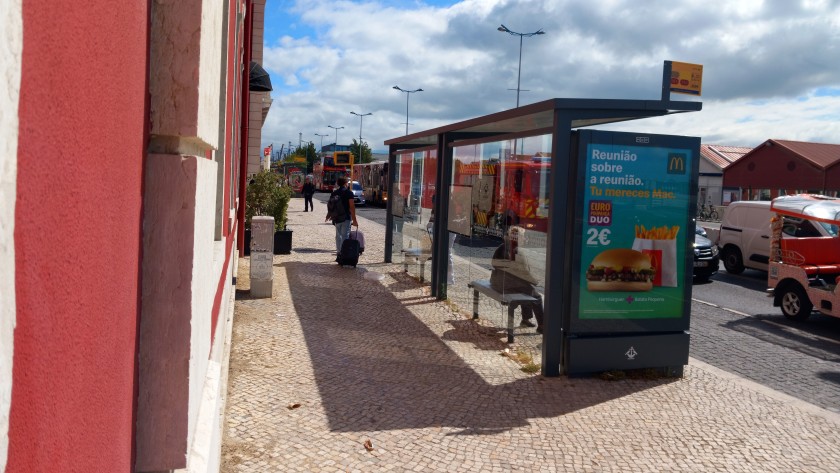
x: 338, y: 358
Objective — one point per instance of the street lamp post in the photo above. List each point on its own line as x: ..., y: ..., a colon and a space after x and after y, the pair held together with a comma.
x: 335, y: 145
x: 361, y: 119
x: 407, y: 94
x: 308, y: 143
x: 322, y: 140
x: 504, y: 29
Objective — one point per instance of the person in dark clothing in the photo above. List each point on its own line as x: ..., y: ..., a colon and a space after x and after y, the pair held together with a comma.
x: 342, y: 229
x: 308, y: 191
x: 511, y: 274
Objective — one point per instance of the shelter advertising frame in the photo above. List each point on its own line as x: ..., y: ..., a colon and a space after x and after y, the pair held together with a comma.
x: 632, y: 271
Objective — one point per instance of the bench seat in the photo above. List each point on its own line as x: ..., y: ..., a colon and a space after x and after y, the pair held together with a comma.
x: 421, y: 255
x: 511, y: 300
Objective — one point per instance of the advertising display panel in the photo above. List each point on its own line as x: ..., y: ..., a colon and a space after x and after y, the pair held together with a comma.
x: 633, y: 268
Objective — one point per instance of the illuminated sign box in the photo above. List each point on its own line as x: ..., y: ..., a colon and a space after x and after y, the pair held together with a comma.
x: 343, y: 158
x: 686, y: 78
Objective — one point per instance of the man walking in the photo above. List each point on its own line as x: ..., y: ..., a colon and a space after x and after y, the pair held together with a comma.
x: 308, y: 191
x: 345, y: 216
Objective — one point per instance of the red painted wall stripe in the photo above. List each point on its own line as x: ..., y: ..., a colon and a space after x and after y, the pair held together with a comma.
x: 77, y: 235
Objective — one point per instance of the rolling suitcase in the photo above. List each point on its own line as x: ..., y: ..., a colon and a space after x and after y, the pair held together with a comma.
x: 358, y: 235
x: 349, y: 255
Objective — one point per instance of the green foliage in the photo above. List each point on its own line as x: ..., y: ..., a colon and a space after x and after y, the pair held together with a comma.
x: 281, y: 206
x: 265, y: 196
x: 309, y: 152
x: 366, y: 154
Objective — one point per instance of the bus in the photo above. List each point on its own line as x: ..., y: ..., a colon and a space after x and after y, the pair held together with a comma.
x: 294, y: 173
x: 326, y: 171
x: 373, y: 177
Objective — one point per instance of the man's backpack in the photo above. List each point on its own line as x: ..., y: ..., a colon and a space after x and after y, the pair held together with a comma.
x: 335, y: 208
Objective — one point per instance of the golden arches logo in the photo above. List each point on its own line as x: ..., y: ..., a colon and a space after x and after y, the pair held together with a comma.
x: 676, y: 163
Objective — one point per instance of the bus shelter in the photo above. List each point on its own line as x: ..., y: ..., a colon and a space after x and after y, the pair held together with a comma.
x: 466, y: 196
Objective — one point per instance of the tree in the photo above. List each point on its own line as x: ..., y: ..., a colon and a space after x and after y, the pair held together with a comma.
x: 308, y: 152
x: 366, y: 155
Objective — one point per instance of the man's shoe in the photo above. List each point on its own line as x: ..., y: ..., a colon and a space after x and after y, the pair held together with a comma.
x: 527, y: 323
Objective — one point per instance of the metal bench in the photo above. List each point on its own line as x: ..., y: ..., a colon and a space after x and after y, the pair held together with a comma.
x: 421, y: 255
x: 511, y: 300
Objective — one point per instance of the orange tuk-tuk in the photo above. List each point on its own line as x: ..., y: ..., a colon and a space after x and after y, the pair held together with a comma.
x: 804, y: 272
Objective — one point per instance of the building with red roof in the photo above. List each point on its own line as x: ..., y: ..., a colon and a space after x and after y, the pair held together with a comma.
x: 714, y: 159
x: 782, y: 167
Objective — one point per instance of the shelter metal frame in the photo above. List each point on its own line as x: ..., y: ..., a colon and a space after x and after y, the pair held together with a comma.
x: 556, y: 116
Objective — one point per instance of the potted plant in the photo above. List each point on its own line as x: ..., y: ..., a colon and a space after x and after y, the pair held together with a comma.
x: 265, y: 196
x: 282, y: 236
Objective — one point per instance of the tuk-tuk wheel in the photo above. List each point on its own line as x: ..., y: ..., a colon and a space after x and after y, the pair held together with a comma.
x: 795, y: 302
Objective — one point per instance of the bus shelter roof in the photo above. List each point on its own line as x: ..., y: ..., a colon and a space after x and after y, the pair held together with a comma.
x: 540, y: 116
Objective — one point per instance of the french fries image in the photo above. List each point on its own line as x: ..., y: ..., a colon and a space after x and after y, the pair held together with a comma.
x: 663, y: 232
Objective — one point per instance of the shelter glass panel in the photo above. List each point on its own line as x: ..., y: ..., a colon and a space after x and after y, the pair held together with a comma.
x: 414, y: 194
x: 498, y: 219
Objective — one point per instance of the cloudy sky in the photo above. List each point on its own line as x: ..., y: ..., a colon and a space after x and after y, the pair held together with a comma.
x: 771, y: 69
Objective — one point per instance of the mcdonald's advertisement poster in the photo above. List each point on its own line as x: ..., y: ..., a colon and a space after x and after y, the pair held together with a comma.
x: 634, y: 235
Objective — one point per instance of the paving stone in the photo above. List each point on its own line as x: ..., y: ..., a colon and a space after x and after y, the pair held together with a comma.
x: 383, y: 361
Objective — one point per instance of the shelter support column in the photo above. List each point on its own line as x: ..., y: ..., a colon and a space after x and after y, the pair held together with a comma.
x: 389, y: 216
x: 561, y: 238
x: 441, y: 249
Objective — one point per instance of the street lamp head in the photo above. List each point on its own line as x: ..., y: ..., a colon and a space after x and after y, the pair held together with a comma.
x: 396, y: 87
x: 361, y: 114
x: 505, y: 29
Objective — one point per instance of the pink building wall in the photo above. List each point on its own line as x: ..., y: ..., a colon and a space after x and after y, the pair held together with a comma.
x: 81, y: 148
x: 113, y: 255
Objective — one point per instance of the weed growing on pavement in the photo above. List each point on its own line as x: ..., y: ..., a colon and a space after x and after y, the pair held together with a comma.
x: 453, y: 307
x: 523, y: 358
x: 531, y: 368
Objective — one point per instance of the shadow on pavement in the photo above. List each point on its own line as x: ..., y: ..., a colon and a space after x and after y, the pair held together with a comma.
x: 807, y: 337
x: 378, y: 366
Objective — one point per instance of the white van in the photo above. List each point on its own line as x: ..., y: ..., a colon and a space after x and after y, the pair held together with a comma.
x: 744, y: 238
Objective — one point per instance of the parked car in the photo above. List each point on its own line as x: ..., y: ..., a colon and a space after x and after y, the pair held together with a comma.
x: 358, y: 193
x: 744, y: 238
x: 706, y: 257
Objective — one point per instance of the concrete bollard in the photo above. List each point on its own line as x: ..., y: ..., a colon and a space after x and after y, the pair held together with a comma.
x: 262, y: 256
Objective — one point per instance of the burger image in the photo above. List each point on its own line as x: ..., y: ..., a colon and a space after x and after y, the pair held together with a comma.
x: 620, y: 270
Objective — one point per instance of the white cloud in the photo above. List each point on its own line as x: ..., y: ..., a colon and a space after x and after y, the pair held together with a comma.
x: 763, y: 62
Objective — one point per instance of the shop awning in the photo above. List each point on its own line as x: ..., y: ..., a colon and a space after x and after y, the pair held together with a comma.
x: 259, y: 79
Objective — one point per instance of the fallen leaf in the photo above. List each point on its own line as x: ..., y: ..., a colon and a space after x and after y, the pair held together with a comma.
x: 368, y: 445
x: 293, y: 406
